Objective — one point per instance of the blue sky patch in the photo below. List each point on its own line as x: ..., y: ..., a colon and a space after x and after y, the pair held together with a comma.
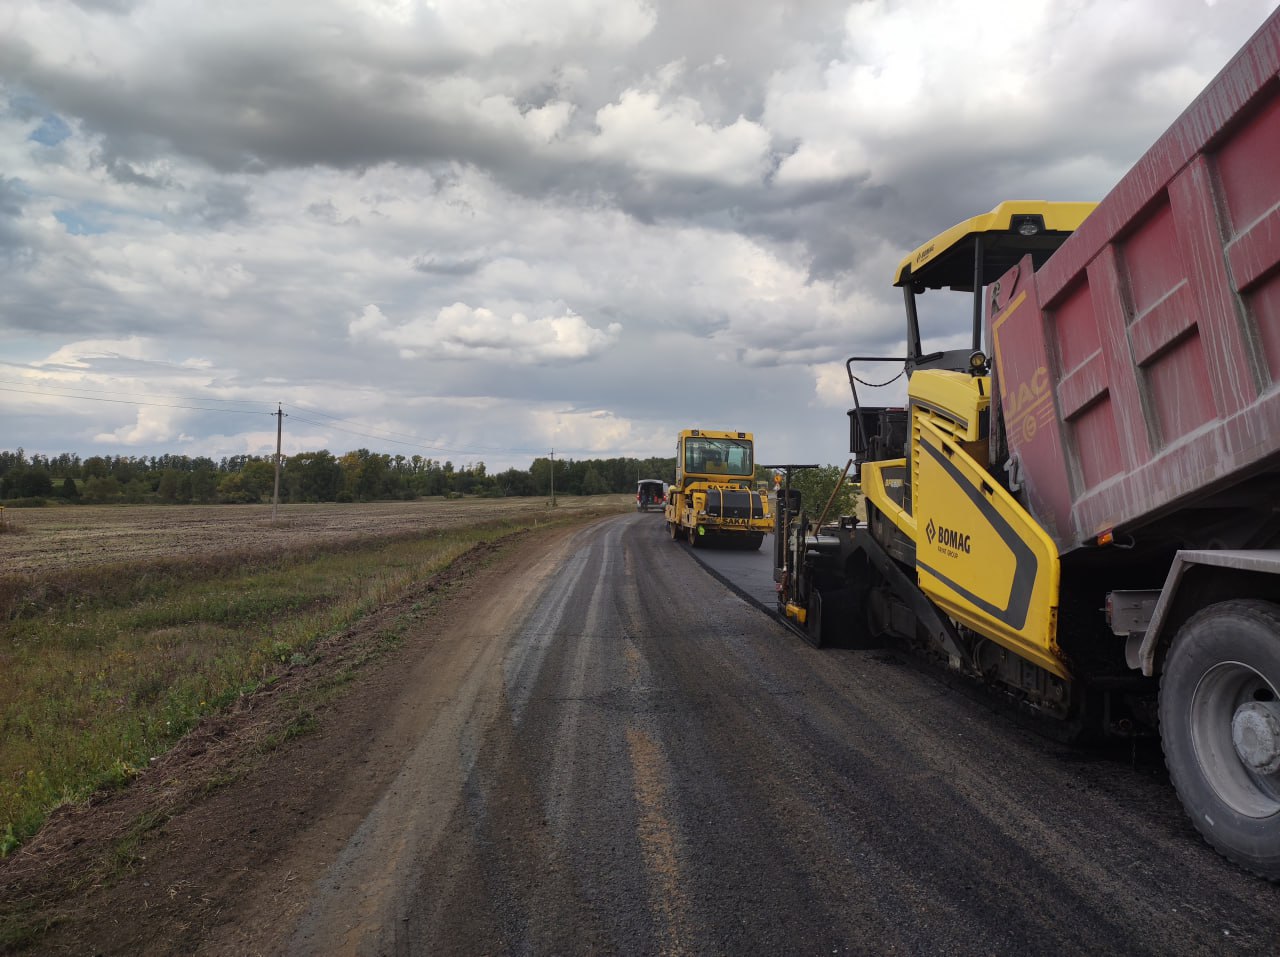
x: 51, y: 131
x: 78, y: 223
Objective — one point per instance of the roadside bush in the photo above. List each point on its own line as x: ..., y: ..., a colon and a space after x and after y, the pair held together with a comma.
x: 815, y: 486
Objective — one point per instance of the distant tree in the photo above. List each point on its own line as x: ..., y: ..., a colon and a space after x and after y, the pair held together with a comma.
x: 64, y: 464
x: 259, y: 478
x: 428, y: 477
x: 235, y: 463
x: 204, y: 486
x: 102, y: 489
x: 167, y: 490
x: 313, y: 476
x: 477, y: 480
x: 352, y: 465
x: 367, y: 476
x: 12, y: 461
x: 69, y: 490
x: 34, y: 482
x: 232, y: 490
x: 123, y: 468
x: 540, y: 471
x: 593, y: 482
x: 135, y: 491
x: 372, y: 479
x: 515, y: 482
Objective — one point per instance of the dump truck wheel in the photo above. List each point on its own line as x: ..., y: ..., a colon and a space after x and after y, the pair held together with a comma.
x: 1220, y: 729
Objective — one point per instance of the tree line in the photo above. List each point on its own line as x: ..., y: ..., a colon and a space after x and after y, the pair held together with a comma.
x: 321, y: 476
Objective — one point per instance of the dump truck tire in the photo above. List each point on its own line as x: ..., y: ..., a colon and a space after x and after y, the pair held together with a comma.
x: 1220, y: 729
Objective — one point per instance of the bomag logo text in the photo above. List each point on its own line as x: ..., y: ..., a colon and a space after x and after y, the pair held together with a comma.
x: 952, y: 540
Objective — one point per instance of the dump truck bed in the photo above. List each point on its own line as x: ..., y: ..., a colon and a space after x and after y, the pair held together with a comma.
x: 1138, y: 372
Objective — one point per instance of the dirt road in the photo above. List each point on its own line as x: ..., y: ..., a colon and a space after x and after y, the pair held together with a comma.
x: 601, y: 750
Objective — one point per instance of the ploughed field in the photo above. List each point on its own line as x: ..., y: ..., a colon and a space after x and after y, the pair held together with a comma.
x: 52, y: 538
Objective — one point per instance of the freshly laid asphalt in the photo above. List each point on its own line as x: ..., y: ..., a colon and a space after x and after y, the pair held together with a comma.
x: 750, y: 574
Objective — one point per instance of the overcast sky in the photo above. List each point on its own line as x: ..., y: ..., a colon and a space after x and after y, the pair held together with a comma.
x: 476, y: 230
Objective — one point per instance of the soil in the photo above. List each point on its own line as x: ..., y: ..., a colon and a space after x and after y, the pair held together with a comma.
x: 255, y: 802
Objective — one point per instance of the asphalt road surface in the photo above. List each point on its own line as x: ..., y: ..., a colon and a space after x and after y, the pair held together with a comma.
x: 648, y: 764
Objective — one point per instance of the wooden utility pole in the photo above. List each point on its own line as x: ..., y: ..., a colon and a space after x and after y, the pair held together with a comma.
x: 553, y: 478
x: 275, y: 498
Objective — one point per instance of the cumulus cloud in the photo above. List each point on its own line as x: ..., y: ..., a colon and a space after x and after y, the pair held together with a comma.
x: 673, y: 139
x: 151, y: 426
x: 460, y: 331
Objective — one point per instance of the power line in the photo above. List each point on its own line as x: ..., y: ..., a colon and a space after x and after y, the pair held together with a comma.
x: 381, y: 435
x: 385, y: 432
x: 159, y: 405
x: 477, y: 450
x: 150, y: 395
x: 383, y: 438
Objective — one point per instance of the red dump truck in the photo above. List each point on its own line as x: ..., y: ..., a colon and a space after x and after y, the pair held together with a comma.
x: 1083, y: 508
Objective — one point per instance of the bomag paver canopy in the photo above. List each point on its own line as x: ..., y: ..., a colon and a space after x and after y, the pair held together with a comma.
x: 1006, y: 234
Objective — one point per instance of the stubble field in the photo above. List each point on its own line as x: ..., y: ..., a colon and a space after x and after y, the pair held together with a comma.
x: 61, y: 538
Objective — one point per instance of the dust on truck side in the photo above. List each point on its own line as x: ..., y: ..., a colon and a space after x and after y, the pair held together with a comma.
x: 1088, y: 515
x: 713, y: 500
